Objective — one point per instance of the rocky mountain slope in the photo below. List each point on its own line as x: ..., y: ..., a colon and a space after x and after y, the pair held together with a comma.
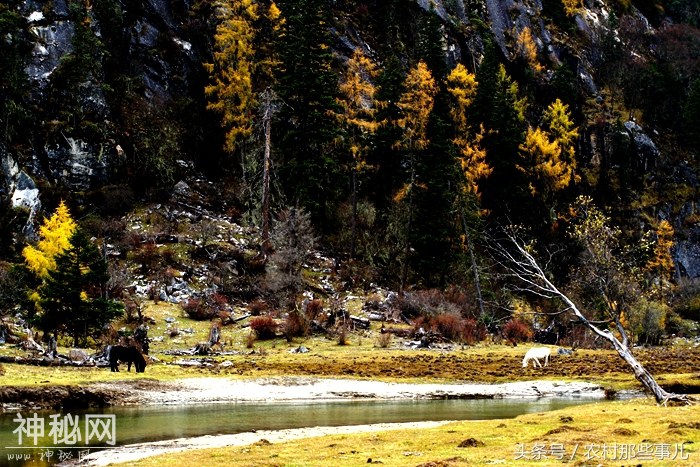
x: 104, y: 99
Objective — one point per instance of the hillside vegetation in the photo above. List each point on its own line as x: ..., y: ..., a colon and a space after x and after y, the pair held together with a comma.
x: 306, y: 167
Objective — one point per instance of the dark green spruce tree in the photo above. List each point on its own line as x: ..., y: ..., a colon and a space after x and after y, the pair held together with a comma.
x: 691, y: 116
x: 498, y: 107
x: 14, y: 50
x: 433, y: 234
x: 310, y: 173
x: 73, y: 298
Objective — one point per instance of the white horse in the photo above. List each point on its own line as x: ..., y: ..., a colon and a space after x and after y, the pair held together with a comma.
x: 535, y: 354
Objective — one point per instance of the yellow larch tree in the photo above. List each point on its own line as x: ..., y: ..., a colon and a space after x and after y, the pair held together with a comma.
x: 231, y: 85
x: 548, y: 156
x: 462, y: 85
x: 543, y: 164
x: 528, y: 50
x: 472, y: 162
x: 572, y: 7
x: 269, y: 28
x: 562, y: 130
x: 661, y: 263
x: 416, y: 105
x: 357, y: 115
x: 54, y: 239
x: 471, y: 157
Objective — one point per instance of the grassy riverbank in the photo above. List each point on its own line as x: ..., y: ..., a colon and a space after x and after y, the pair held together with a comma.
x: 658, y: 436
x: 364, y: 355
x: 676, y: 368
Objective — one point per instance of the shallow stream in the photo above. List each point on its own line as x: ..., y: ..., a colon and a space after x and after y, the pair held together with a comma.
x: 152, y: 423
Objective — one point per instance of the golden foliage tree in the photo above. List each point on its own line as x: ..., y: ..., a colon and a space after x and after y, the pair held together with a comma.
x: 528, y: 50
x: 462, y: 85
x: 572, y: 7
x: 358, y: 108
x: 269, y: 29
x: 54, y: 239
x: 231, y: 88
x: 472, y: 156
x: 358, y: 105
x: 562, y: 130
x: 543, y: 164
x: 661, y: 263
x: 549, y: 156
x: 415, y: 104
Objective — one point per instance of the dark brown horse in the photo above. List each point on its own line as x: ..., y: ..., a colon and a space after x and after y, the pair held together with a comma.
x: 128, y: 355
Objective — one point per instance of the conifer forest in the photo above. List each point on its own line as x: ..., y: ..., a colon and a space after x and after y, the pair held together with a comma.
x: 211, y: 152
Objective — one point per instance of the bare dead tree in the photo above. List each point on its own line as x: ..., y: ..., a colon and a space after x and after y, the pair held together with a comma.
x: 268, y: 108
x: 524, y: 269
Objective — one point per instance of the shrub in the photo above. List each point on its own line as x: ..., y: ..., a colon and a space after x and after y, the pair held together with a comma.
x: 218, y: 300
x: 452, y: 327
x: 192, y: 306
x: 295, y: 325
x: 343, y: 336
x: 472, y: 331
x: 517, y: 331
x: 458, y: 297
x: 313, y: 308
x: 148, y: 255
x: 427, y: 302
x: 250, y: 340
x: 448, y: 325
x: 264, y: 326
x: 257, y: 307
x: 208, y: 308
x: 384, y: 340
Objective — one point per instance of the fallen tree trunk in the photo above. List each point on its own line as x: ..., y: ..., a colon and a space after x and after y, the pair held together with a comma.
x: 523, y: 266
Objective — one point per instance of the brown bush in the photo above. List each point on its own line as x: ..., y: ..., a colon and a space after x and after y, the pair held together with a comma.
x: 448, y: 325
x: 257, y: 307
x: 219, y: 300
x: 343, y: 335
x: 148, y: 255
x: 427, y: 302
x: 199, y: 310
x: 460, y: 299
x: 452, y: 327
x: 264, y: 326
x: 295, y: 325
x: 472, y: 331
x: 250, y: 340
x: 313, y: 308
x: 517, y: 331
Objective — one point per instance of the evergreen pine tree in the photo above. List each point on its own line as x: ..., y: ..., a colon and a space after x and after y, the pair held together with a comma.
x: 73, y: 299
x: 691, y: 116
x: 310, y: 173
x: 500, y: 110
x: 385, y: 156
x: 14, y: 85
